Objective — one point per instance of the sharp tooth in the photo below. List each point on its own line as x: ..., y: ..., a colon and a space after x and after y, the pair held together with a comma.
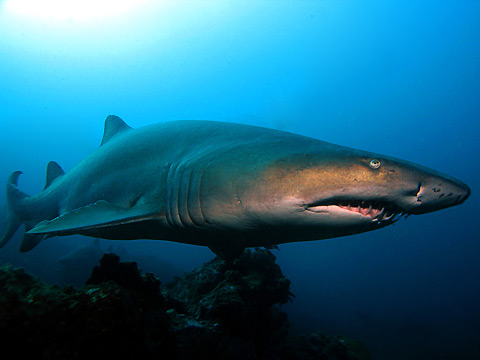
x: 370, y: 209
x: 380, y: 214
x: 388, y: 217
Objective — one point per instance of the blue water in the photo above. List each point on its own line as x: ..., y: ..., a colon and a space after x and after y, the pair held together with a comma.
x: 395, y: 77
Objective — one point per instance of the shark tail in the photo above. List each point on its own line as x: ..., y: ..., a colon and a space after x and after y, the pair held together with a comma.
x: 15, y: 199
x: 17, y: 212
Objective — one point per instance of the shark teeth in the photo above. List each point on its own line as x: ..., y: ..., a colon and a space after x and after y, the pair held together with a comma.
x: 379, y: 215
x: 378, y: 211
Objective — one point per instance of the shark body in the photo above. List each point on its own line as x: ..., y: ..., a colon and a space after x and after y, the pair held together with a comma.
x: 226, y: 186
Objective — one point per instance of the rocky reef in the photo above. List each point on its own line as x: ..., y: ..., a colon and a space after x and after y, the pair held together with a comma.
x: 218, y: 311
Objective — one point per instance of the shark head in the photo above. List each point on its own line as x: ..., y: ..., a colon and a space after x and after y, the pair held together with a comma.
x: 352, y: 192
x: 334, y: 191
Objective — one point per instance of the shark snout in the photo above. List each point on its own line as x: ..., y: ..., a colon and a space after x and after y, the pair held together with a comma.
x: 439, y: 192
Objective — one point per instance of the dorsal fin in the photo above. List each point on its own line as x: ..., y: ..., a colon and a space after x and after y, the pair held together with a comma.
x: 53, y: 171
x: 113, y: 126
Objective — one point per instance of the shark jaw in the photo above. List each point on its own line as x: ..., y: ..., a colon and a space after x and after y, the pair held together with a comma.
x: 374, y: 211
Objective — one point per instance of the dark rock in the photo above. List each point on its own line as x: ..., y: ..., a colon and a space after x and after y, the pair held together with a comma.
x: 221, y: 310
x: 41, y: 320
x: 238, y: 297
x: 317, y: 346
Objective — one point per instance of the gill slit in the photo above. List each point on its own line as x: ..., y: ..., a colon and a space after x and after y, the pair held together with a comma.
x: 183, y: 196
x: 170, y: 200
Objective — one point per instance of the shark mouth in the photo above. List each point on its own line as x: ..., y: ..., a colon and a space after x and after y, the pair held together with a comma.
x: 378, y: 211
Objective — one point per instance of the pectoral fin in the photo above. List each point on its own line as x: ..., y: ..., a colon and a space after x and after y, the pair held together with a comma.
x: 100, y: 214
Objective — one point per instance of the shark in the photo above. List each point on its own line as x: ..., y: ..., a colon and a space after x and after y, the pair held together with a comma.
x: 223, y: 185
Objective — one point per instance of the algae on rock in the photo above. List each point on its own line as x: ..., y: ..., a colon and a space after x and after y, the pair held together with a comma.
x: 218, y: 311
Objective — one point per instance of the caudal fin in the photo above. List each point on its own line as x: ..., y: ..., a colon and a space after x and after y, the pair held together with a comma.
x: 13, y: 219
x: 17, y: 213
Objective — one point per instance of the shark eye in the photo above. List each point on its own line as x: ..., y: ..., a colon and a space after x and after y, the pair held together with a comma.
x: 375, y: 163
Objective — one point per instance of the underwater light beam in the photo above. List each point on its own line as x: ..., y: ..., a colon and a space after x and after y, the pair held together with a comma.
x: 70, y: 9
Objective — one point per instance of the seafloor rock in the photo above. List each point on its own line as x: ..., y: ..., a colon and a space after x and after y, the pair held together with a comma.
x: 319, y: 346
x: 100, y: 320
x: 217, y: 311
x: 237, y: 299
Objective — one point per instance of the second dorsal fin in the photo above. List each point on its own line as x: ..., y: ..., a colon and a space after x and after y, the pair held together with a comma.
x: 53, y: 171
x: 113, y: 126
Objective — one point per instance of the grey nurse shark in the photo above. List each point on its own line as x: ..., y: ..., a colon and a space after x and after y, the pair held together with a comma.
x: 226, y: 186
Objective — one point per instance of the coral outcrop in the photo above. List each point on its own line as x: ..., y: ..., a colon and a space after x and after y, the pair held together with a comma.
x: 218, y: 311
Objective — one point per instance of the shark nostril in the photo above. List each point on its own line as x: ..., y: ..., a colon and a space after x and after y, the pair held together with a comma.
x: 417, y: 194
